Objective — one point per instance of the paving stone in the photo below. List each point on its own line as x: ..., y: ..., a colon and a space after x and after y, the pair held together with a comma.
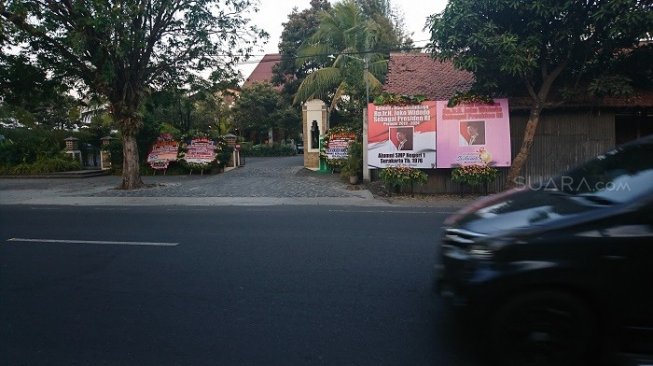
x: 281, y: 180
x: 260, y: 177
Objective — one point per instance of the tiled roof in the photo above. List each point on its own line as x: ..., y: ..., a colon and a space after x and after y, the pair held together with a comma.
x: 419, y: 74
x: 641, y: 98
x: 263, y: 71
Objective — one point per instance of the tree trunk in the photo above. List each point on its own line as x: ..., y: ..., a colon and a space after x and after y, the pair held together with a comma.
x: 124, y: 110
x: 131, y: 174
x: 539, y: 100
x: 520, y: 160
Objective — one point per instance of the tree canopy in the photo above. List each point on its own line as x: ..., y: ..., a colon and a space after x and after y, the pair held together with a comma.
x: 354, y: 39
x: 393, y: 36
x: 200, y: 106
x: 122, y: 49
x: 300, y: 26
x: 260, y: 108
x: 543, y: 49
x: 32, y: 98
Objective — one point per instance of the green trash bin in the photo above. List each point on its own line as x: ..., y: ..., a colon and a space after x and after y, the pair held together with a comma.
x: 323, y: 167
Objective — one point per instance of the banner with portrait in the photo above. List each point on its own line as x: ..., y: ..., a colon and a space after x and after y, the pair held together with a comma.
x: 473, y: 133
x: 402, y: 135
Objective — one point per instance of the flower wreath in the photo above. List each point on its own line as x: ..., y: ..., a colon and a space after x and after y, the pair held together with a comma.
x: 220, y: 143
x: 334, y: 164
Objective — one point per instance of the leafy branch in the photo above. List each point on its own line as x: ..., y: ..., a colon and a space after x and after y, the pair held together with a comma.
x: 398, y: 99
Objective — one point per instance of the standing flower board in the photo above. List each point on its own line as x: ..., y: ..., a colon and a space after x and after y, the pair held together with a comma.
x: 199, y: 153
x: 335, y: 148
x: 339, y: 145
x: 201, y: 150
x: 163, y: 151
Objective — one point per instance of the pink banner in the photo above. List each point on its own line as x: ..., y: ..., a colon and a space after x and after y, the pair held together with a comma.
x: 473, y: 134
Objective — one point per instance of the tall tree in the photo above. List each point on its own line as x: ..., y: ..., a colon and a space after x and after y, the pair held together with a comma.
x: 393, y: 36
x: 198, y: 106
x: 350, y: 40
x: 301, y: 25
x: 539, y: 48
x: 260, y: 108
x: 33, y: 98
x: 119, y: 49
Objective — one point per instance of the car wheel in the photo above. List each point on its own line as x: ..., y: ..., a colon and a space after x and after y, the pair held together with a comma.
x: 542, y: 328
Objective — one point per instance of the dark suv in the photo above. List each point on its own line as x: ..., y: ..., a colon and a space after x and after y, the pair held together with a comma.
x: 560, y: 269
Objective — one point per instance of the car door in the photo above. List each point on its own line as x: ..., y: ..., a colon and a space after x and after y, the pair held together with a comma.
x: 626, y: 270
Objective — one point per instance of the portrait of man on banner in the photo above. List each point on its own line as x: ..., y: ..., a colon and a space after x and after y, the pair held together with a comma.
x: 402, y: 137
x: 472, y: 133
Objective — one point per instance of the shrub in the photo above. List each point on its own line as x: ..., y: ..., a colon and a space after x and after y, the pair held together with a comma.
x: 45, y: 166
x: 267, y: 150
x: 56, y: 164
x: 474, y: 175
x: 223, y: 156
x: 22, y: 145
x: 402, y: 176
x: 353, y: 165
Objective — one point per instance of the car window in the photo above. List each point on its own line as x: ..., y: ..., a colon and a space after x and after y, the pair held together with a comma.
x: 618, y: 176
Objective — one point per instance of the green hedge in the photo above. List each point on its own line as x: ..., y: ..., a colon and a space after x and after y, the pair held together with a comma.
x: 26, y: 146
x: 247, y: 149
x: 39, y: 151
x: 42, y: 166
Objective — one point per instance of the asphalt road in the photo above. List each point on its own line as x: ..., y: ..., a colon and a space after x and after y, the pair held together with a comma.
x: 277, y: 285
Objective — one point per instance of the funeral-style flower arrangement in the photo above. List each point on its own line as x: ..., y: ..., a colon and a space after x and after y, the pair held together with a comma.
x: 183, y: 150
x: 335, y: 164
x: 163, y: 152
x: 401, y: 176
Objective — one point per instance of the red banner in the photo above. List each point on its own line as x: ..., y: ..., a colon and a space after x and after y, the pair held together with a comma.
x: 401, y: 135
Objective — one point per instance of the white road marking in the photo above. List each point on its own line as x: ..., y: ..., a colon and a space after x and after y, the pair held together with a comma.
x: 95, y: 242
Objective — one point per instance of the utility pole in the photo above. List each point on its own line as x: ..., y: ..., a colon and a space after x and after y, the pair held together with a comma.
x: 366, y: 60
x: 366, y: 170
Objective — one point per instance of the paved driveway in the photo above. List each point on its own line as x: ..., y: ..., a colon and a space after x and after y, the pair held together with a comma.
x: 261, y: 181
x: 259, y: 177
x: 280, y: 180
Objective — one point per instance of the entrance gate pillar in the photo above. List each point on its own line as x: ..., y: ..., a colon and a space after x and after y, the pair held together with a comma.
x: 315, y: 122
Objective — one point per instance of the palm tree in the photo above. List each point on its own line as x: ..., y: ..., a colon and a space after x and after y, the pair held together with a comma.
x: 346, y: 37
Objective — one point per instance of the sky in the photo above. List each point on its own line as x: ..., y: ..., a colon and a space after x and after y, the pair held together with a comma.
x: 273, y: 13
